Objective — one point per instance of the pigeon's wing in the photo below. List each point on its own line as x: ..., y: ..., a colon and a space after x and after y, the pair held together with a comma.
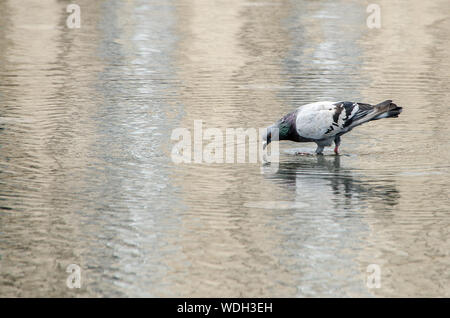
x: 324, y: 120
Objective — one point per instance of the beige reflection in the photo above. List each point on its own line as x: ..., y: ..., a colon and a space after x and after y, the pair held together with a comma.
x: 219, y: 44
x: 43, y: 54
x: 31, y: 33
x: 403, y: 64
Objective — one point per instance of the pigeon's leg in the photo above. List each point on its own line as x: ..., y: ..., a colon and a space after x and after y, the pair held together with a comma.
x: 337, y: 142
x: 319, y: 150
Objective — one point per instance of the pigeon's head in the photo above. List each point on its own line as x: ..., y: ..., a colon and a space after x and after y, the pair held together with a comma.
x: 270, y: 133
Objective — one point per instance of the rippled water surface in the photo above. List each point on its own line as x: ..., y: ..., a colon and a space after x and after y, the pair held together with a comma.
x: 86, y: 175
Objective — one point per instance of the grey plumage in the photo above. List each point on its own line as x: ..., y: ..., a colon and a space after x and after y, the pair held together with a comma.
x: 325, y: 122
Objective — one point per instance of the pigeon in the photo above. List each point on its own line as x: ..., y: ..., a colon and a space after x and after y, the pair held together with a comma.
x: 325, y: 122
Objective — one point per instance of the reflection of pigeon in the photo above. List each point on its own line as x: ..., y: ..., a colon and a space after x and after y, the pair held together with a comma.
x: 338, y: 187
x: 325, y: 122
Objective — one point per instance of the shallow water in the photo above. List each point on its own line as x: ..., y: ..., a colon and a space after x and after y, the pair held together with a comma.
x: 86, y: 175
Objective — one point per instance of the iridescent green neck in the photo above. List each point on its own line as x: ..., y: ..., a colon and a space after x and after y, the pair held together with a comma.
x: 284, y: 128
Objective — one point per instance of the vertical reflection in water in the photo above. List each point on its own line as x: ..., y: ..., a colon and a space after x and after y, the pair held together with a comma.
x: 228, y: 63
x: 84, y: 149
x: 324, y: 60
x: 29, y: 70
x: 324, y: 239
x: 134, y: 120
x: 414, y: 68
x: 208, y: 56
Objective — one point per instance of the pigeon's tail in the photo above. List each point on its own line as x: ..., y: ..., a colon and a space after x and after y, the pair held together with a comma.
x: 386, y: 109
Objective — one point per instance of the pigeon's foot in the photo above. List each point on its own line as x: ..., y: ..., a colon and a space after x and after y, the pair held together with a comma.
x: 336, y: 150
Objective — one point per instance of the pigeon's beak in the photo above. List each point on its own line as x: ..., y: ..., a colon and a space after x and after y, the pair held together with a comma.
x: 267, y: 138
